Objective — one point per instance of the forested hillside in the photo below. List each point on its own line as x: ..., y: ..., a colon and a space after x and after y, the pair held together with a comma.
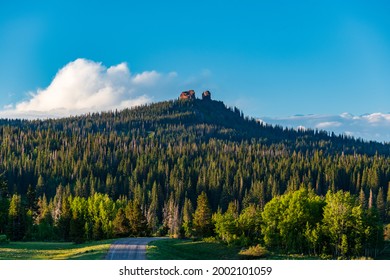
x: 191, y: 168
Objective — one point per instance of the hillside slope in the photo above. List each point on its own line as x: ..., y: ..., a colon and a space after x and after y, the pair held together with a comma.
x: 183, y: 147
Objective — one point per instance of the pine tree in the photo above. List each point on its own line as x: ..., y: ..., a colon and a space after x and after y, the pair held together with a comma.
x: 137, y: 220
x: 44, y: 220
x: 152, y: 215
x: 63, y: 223
x: 40, y: 188
x: 370, y: 199
x: 362, y: 198
x: 202, y: 217
x: 188, y: 212
x: 172, y: 219
x: 380, y: 204
x: 121, y: 224
x: 77, y: 222
x: 4, y: 205
x: 388, y: 204
x: 32, y: 202
x: 16, y: 218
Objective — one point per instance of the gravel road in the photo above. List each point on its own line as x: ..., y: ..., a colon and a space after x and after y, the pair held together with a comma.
x: 129, y: 248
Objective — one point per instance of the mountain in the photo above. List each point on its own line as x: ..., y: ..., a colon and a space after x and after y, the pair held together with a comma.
x: 191, y: 116
x: 156, y: 160
x: 84, y: 151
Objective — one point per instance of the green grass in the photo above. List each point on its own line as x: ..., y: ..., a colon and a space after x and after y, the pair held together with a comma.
x: 54, y: 250
x: 385, y: 253
x: 177, y: 249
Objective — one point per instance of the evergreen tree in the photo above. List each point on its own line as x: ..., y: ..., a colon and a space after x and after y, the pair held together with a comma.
x: 362, y: 198
x: 172, y: 219
x: 97, y: 229
x: 4, y: 205
x: 388, y: 204
x: 64, y: 220
x: 137, y: 221
x: 78, y: 220
x: 380, y: 205
x: 188, y: 212
x: 40, y: 187
x: 371, y: 199
x: 152, y: 215
x: 121, y: 224
x: 16, y: 218
x: 202, y: 217
x: 32, y: 202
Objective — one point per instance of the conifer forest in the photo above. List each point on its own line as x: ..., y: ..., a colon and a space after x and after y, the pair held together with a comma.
x: 193, y: 169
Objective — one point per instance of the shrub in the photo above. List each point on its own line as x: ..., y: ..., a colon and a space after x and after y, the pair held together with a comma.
x: 3, y: 239
x: 254, y: 252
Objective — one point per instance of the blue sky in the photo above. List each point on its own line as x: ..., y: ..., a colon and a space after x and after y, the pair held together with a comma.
x: 272, y: 59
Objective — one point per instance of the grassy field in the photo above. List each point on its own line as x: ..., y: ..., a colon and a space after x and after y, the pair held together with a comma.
x: 385, y: 253
x: 177, y: 249
x: 54, y: 250
x: 168, y: 249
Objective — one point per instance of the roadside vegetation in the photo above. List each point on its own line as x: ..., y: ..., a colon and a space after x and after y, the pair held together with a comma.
x: 54, y: 250
x: 187, y: 249
x: 209, y: 249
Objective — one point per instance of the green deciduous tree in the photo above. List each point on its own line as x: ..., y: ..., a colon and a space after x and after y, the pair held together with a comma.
x: 286, y: 220
x: 352, y: 231
x: 226, y: 224
x: 249, y: 225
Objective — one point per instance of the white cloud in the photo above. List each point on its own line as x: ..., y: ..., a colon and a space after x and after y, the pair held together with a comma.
x: 375, y: 126
x: 325, y: 125
x: 86, y: 86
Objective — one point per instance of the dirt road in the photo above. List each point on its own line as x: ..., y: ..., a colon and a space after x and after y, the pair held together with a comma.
x: 129, y: 248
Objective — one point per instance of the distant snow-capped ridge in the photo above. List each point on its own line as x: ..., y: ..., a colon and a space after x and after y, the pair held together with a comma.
x: 374, y: 126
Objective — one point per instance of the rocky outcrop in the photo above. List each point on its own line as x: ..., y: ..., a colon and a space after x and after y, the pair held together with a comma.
x: 189, y: 94
x: 206, y: 95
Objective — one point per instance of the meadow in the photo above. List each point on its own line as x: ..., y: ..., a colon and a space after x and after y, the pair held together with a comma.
x: 95, y: 250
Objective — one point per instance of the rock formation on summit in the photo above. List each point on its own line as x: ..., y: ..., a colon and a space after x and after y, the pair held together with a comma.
x: 206, y: 95
x: 189, y: 94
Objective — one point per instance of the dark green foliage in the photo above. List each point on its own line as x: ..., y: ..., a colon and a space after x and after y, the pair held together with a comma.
x: 154, y: 162
x: 388, y: 204
x: 4, y: 205
x: 63, y: 221
x: 121, y: 224
x: 77, y: 223
x: 202, y: 225
x: 16, y: 219
x: 381, y: 205
x: 188, y: 212
x: 137, y: 220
